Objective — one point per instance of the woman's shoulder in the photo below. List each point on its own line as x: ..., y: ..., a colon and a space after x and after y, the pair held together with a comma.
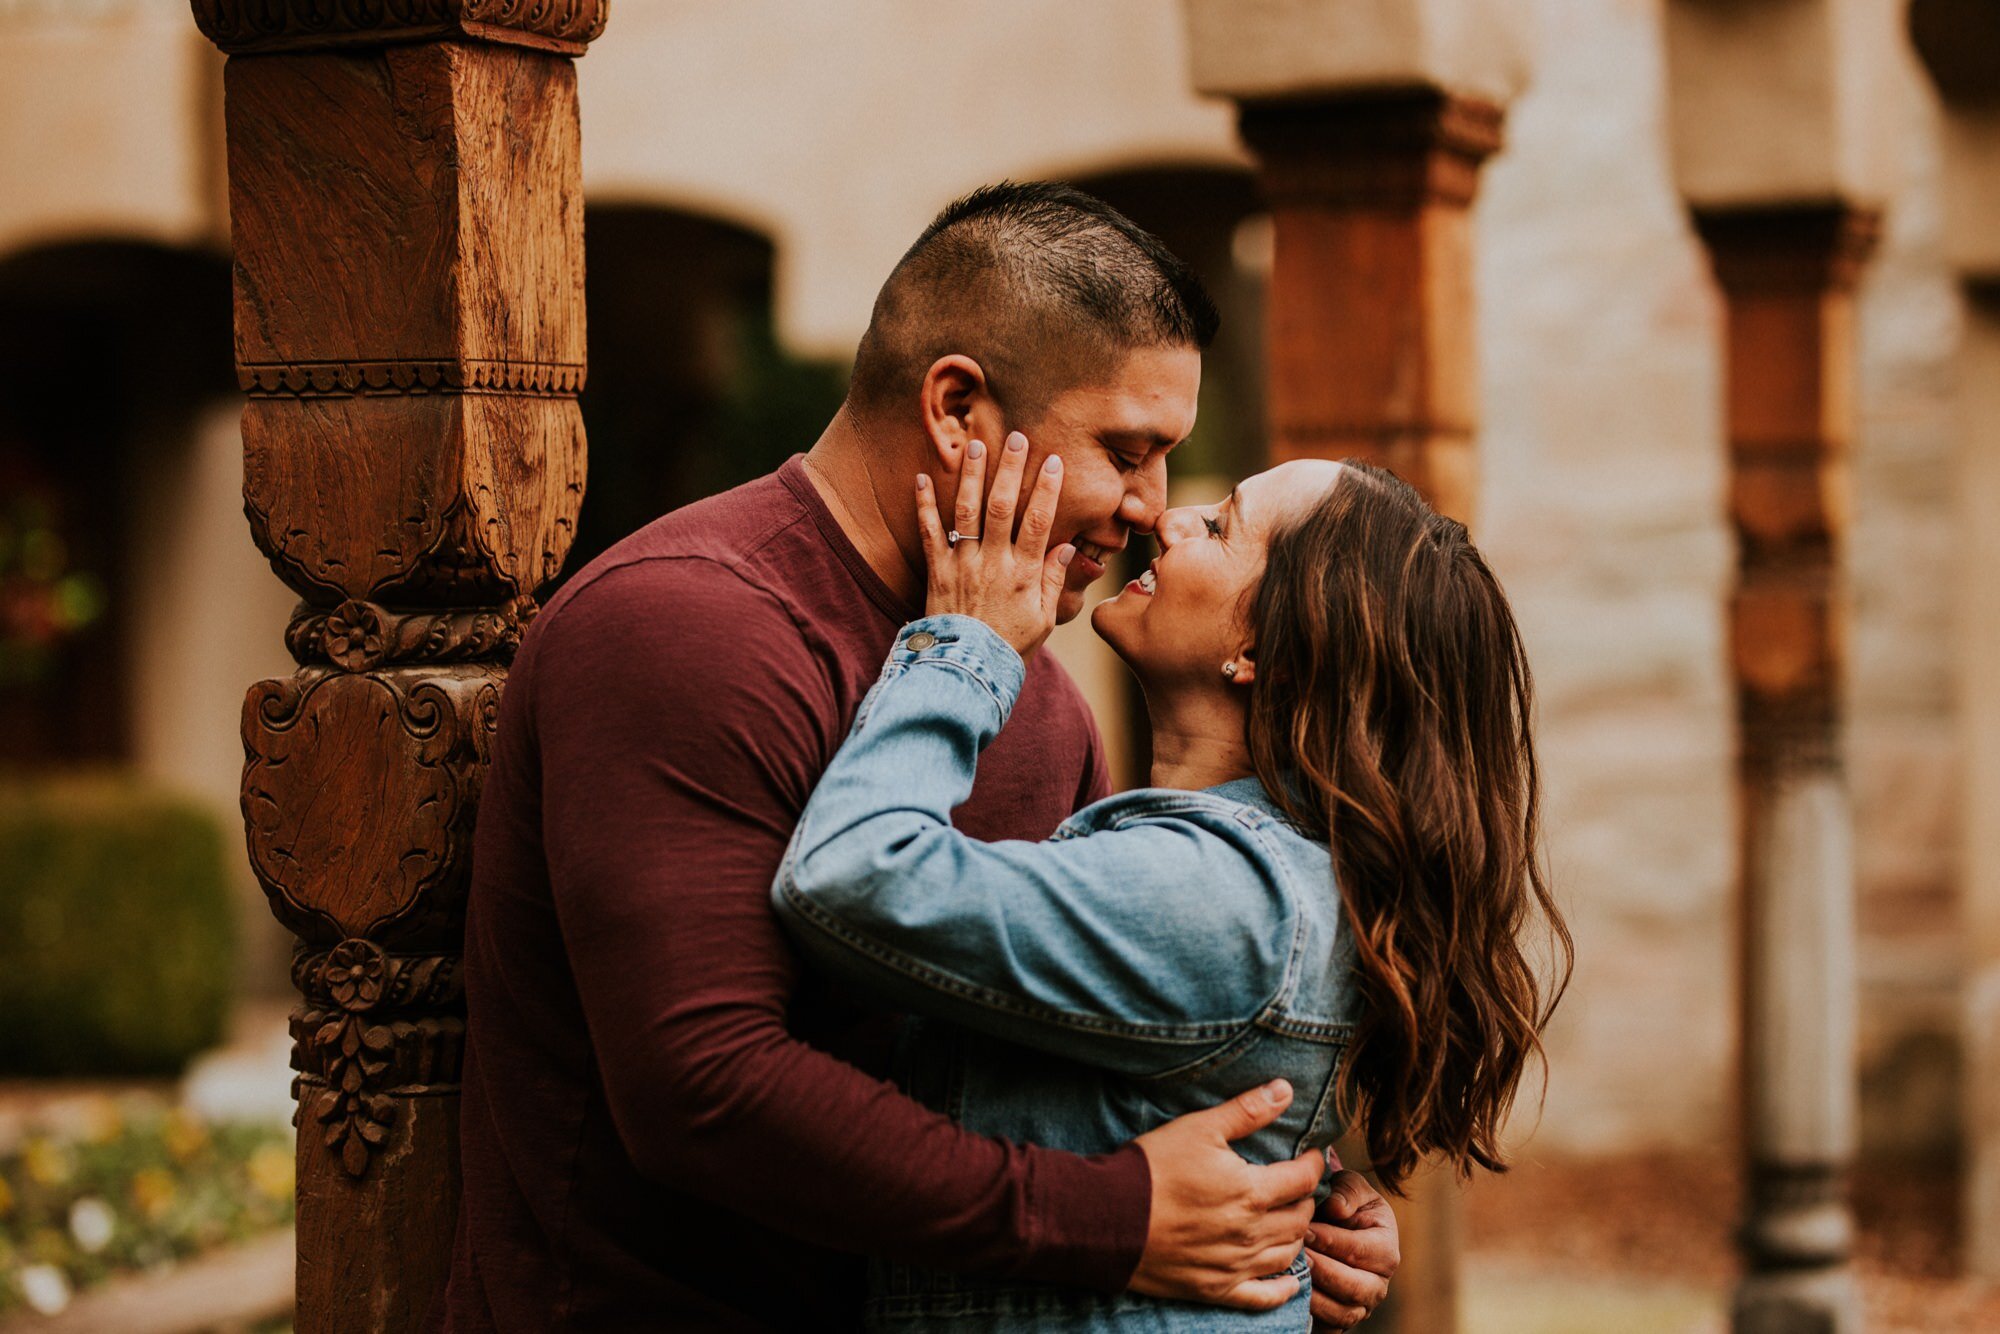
x: 1241, y: 802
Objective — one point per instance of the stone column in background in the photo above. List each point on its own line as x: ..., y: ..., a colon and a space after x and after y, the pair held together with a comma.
x: 407, y: 218
x: 1787, y: 276
x: 1959, y: 44
x: 1369, y: 125
x: 1777, y: 151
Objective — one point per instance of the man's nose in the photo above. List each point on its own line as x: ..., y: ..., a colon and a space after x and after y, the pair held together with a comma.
x: 1146, y: 496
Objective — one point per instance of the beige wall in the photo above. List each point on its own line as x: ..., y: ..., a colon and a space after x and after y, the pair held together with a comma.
x: 838, y: 130
x: 206, y: 618
x: 108, y: 122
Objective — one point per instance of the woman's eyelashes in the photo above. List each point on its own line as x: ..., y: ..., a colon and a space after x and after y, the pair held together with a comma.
x: 1214, y: 526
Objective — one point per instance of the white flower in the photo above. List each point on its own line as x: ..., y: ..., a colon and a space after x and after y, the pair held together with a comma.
x: 46, y: 1288
x: 91, y: 1222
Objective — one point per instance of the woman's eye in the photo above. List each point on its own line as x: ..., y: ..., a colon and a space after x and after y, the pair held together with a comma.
x: 1214, y: 528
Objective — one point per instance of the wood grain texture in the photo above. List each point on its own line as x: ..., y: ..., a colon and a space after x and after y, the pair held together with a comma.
x: 380, y: 208
x: 407, y: 219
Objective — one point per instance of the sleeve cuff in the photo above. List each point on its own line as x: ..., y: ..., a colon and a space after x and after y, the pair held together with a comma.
x: 1092, y: 1215
x: 968, y: 643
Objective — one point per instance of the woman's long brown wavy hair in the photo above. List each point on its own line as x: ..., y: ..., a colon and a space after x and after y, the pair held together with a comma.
x: 1391, y: 717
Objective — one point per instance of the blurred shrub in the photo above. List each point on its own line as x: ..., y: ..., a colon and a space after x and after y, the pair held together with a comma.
x: 117, y: 949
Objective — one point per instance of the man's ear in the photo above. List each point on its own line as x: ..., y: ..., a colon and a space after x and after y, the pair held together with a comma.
x: 954, y: 401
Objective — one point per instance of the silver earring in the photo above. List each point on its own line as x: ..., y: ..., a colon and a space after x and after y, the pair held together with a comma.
x: 1229, y: 670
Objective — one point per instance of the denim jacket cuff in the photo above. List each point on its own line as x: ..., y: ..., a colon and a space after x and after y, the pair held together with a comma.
x: 967, y: 643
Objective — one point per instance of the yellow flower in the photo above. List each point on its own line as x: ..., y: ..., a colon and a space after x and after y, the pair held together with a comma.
x: 153, y: 1191
x: 101, y: 1120
x: 184, y: 1136
x: 273, y: 1170
x: 48, y: 1163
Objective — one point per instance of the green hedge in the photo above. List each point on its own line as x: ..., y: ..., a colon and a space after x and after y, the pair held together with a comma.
x: 117, y: 941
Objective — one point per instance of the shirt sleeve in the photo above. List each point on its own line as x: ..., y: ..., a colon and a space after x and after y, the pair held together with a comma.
x: 1139, y: 948
x: 681, y: 723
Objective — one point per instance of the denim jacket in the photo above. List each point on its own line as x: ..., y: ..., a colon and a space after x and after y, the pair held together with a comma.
x: 1164, y: 951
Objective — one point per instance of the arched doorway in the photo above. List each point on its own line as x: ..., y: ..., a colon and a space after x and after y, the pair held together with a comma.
x: 689, y: 392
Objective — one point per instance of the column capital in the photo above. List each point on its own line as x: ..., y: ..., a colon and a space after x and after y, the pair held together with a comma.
x: 1789, y: 247
x: 1393, y: 149
x: 246, y: 26
x: 1255, y: 50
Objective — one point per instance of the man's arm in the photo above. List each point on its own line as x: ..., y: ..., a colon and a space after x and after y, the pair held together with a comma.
x: 678, y: 722
x: 680, y: 729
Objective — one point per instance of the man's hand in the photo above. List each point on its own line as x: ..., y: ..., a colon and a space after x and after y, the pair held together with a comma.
x: 1220, y: 1227
x: 1354, y: 1248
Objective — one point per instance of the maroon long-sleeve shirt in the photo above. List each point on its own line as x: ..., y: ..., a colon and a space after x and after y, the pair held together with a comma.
x: 664, y: 1124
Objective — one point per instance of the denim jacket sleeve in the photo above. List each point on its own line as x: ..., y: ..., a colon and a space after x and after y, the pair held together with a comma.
x: 1142, y: 947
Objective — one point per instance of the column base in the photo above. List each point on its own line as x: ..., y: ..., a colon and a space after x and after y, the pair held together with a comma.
x: 1799, y: 1301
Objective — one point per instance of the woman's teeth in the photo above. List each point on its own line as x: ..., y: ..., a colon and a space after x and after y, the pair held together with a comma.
x: 1147, y: 582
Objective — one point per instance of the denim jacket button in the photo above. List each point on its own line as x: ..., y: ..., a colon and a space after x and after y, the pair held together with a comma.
x: 920, y: 641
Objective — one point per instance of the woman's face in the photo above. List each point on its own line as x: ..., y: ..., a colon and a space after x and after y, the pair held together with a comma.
x: 1187, y: 615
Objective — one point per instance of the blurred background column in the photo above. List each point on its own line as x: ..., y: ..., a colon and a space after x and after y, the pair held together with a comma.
x: 406, y: 207
x: 1369, y: 125
x: 1773, y: 157
x: 1959, y: 44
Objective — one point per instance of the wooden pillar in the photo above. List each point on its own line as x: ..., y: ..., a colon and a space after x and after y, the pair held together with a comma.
x: 407, y: 218
x: 1787, y: 276
x: 1371, y: 354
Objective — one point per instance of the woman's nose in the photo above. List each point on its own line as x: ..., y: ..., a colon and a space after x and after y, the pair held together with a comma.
x: 1173, y: 525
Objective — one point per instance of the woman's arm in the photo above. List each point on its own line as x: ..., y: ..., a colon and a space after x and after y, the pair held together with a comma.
x: 1138, y: 949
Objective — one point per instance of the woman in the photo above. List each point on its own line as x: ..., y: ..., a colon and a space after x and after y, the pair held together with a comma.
x: 1327, y: 882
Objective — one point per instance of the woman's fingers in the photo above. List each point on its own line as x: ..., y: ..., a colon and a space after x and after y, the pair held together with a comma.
x: 929, y: 527
x: 1005, y: 492
x: 971, y: 491
x: 1039, y: 518
x: 1055, y: 570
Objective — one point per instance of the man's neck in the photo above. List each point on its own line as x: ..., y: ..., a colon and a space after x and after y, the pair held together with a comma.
x: 875, y: 512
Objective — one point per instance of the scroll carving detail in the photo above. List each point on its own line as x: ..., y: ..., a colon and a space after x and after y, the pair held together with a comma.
x: 359, y: 636
x: 358, y: 796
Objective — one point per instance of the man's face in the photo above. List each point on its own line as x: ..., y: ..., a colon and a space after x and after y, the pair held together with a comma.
x: 1114, y: 438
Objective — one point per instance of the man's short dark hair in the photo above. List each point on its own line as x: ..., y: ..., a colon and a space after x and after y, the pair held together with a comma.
x: 1044, y: 286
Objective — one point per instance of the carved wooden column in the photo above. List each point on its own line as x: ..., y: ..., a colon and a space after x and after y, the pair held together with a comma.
x: 407, y: 216
x: 1787, y: 276
x: 1371, y: 339
x: 1371, y: 352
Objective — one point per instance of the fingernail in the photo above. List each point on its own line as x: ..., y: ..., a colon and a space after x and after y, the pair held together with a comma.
x: 923, y: 482
x: 975, y: 450
x: 1016, y: 441
x: 1052, y: 466
x: 1278, y: 1091
x: 1065, y: 554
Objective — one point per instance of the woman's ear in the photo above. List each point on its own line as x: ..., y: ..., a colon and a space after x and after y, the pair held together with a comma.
x: 954, y: 388
x: 1242, y: 669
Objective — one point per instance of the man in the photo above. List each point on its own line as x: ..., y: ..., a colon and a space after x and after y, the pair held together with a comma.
x: 666, y: 1124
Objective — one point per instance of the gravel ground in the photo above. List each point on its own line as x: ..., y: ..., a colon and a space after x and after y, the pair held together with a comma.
x: 1655, y: 1233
